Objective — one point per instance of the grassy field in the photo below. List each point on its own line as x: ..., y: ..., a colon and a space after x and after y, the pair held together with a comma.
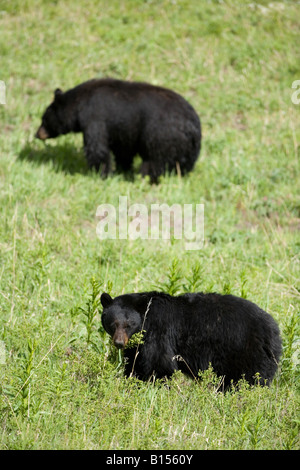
x: 61, y: 382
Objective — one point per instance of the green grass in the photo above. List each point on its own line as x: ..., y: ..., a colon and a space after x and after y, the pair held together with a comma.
x: 61, y: 381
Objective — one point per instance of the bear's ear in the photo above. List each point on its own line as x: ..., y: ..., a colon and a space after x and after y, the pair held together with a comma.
x: 57, y: 93
x: 106, y: 300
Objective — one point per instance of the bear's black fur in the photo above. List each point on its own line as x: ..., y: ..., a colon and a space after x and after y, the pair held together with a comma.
x: 191, y: 331
x: 127, y: 118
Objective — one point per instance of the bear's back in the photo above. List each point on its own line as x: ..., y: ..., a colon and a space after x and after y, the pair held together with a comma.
x: 111, y: 89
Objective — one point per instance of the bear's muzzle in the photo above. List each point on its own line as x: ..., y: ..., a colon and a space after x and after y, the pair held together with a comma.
x: 120, y: 339
x: 42, y: 133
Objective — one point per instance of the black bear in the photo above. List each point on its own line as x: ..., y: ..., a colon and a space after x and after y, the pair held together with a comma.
x: 127, y: 118
x: 189, y: 332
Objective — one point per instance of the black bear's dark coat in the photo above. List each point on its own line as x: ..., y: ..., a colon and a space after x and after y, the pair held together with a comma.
x: 127, y: 118
x: 232, y: 334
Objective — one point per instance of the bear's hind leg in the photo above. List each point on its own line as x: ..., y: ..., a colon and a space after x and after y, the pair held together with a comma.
x: 152, y: 169
x: 124, y: 160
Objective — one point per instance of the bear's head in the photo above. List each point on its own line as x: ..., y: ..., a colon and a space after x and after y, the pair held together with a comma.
x: 53, y: 123
x: 121, y: 318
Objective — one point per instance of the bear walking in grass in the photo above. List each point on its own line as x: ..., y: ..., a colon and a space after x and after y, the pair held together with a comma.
x: 127, y: 118
x: 191, y: 331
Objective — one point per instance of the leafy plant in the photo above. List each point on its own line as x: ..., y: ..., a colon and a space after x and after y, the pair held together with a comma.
x: 290, y: 363
x: 194, y: 279
x: 136, y: 340
x: 90, y: 313
x: 243, y: 279
x: 173, y: 283
x: 23, y: 398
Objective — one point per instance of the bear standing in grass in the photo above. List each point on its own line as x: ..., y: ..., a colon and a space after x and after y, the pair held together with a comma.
x: 127, y: 118
x: 191, y: 331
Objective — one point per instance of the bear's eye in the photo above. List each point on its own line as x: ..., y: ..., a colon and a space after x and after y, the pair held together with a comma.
x: 116, y: 324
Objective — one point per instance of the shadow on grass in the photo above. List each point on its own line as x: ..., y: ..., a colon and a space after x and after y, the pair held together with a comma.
x: 63, y: 158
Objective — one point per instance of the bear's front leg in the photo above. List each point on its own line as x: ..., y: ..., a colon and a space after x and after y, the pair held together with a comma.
x: 96, y: 150
x: 152, y: 360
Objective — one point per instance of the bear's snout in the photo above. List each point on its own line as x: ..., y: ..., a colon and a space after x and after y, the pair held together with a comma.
x: 120, y: 339
x: 41, y: 133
